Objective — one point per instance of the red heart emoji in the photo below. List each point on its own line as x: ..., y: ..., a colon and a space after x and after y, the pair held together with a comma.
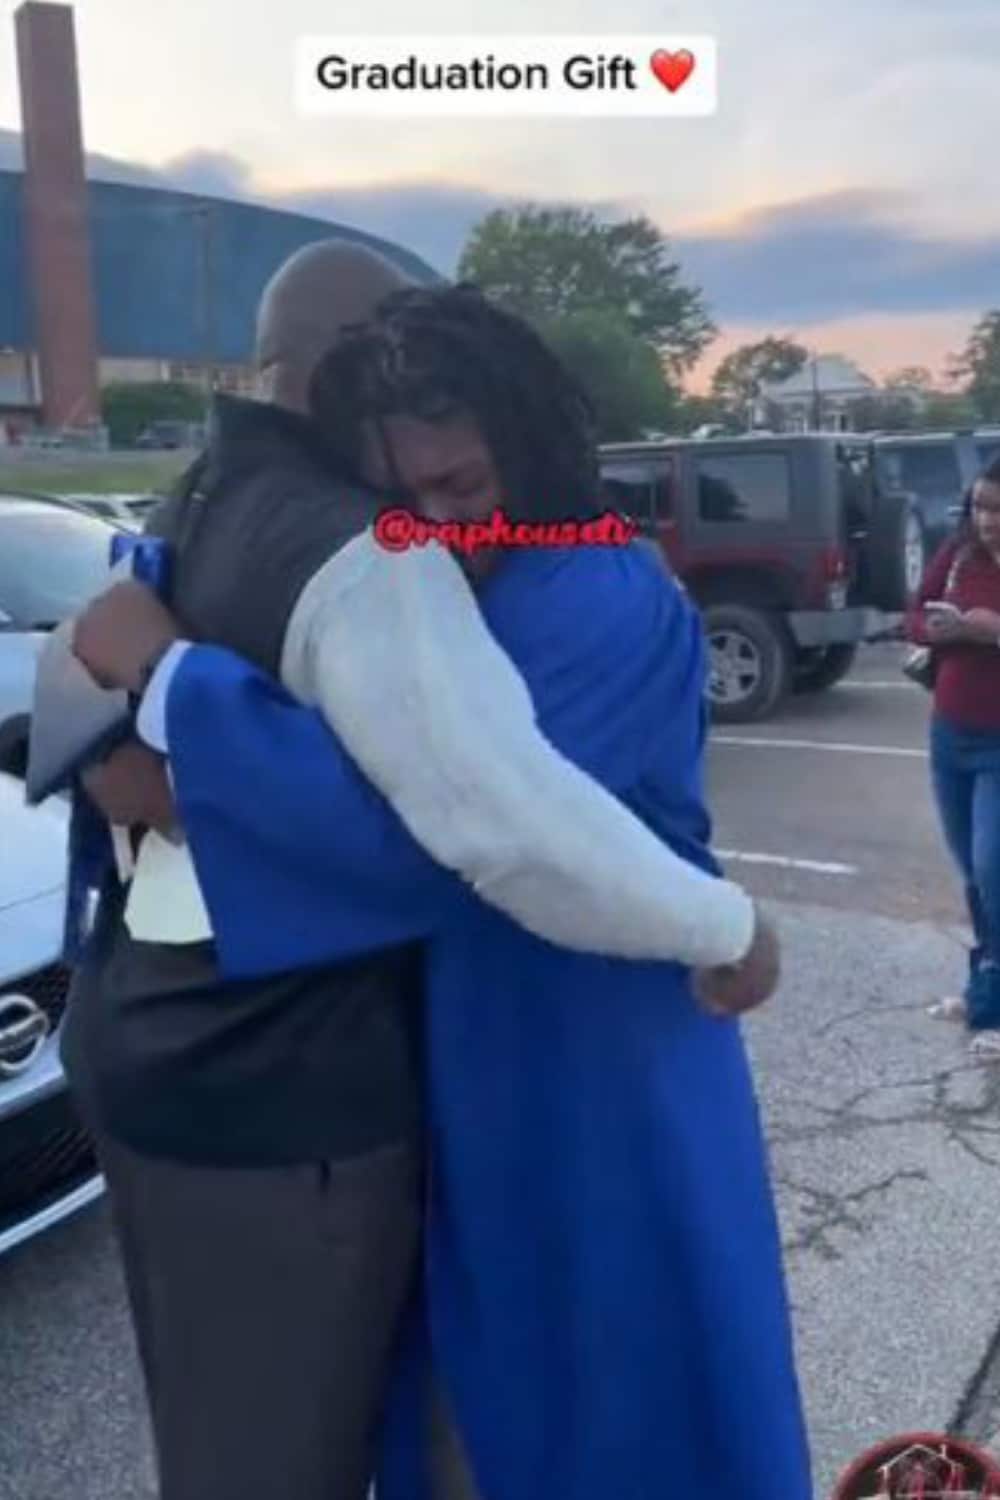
x: 673, y: 69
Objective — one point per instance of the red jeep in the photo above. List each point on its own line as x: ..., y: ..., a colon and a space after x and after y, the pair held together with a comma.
x: 787, y: 545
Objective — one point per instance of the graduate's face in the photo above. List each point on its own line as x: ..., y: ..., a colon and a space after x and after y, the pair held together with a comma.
x: 446, y: 467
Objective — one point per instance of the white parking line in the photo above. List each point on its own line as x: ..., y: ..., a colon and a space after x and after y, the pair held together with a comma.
x: 882, y: 687
x: 785, y: 862
x: 901, y: 752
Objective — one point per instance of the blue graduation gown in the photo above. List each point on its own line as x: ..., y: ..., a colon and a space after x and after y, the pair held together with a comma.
x: 604, y: 1296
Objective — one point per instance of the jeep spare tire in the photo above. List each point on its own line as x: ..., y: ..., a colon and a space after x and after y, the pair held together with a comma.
x: 896, y: 552
x: 750, y: 662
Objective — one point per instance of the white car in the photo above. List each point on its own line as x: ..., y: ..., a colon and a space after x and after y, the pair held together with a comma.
x: 47, y: 1165
x: 129, y: 511
x: 53, y: 558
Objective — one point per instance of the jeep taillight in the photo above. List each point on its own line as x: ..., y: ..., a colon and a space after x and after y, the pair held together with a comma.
x: 836, y: 577
x: 836, y: 567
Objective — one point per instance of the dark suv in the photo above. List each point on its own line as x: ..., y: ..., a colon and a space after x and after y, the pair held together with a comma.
x: 987, y: 442
x: 936, y: 468
x: 790, y: 545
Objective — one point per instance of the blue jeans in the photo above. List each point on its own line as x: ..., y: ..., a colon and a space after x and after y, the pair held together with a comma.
x: 966, y: 772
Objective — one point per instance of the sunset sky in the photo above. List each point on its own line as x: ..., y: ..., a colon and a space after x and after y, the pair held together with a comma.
x: 844, y: 192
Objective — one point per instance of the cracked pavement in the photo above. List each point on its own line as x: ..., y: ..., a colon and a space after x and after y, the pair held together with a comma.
x: 885, y: 1149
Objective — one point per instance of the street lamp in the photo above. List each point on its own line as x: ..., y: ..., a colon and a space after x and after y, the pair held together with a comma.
x: 817, y: 403
x: 203, y: 213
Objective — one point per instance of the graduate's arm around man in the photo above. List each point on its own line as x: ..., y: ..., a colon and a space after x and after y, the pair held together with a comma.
x: 299, y: 859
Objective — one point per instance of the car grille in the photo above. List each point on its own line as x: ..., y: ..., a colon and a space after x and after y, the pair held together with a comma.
x: 48, y: 988
x: 44, y: 1151
x: 44, y: 1155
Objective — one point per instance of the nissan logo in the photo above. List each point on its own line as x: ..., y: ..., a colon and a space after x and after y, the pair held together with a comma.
x: 23, y: 1029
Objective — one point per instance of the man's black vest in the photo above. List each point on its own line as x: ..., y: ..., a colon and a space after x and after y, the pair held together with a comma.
x: 160, y: 1054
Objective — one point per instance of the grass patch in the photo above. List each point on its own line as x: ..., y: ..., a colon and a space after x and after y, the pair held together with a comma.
x: 97, y: 474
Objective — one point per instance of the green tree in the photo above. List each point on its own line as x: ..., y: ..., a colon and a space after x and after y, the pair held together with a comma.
x: 909, y: 399
x: 620, y: 372
x: 885, y: 412
x: 916, y: 379
x: 743, y: 373
x: 978, y: 367
x: 949, y: 409
x: 552, y: 263
x: 128, y: 407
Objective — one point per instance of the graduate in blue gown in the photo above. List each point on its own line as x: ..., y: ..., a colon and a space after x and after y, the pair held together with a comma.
x: 604, y: 1287
x: 603, y: 1303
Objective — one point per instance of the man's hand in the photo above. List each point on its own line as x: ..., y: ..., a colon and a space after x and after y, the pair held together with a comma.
x: 741, y: 987
x: 122, y: 634
x: 132, y: 787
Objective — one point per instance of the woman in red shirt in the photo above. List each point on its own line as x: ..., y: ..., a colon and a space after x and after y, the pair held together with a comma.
x: 965, y: 736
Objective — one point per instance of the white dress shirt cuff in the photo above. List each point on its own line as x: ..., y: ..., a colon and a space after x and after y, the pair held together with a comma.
x: 151, y: 719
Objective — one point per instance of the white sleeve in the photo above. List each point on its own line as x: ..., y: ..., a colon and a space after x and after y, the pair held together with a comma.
x: 151, y: 718
x: 393, y: 650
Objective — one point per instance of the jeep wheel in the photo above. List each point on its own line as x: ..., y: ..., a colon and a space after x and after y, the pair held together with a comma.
x: 823, y: 669
x: 750, y: 663
x: 897, y: 553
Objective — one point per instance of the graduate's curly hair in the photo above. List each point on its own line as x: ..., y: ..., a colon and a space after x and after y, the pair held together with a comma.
x: 441, y: 352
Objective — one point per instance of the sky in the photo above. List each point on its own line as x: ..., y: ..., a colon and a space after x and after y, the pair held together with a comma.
x: 842, y: 194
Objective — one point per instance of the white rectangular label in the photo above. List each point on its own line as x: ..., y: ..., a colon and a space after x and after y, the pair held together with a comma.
x: 427, y: 77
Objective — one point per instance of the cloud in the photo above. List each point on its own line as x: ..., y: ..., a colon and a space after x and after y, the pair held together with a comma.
x: 432, y: 219
x: 816, y: 259
x: 835, y: 256
x: 217, y: 174
x: 838, y: 255
x: 105, y: 168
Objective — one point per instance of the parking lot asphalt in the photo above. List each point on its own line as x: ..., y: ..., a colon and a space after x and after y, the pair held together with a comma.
x: 829, y: 803
x: 885, y: 1140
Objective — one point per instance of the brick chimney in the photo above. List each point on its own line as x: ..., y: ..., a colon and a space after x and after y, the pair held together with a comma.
x: 57, y: 232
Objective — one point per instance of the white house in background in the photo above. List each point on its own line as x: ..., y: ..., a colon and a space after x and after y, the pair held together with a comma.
x: 820, y: 395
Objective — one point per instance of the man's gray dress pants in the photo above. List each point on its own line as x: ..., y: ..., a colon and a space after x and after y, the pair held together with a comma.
x: 266, y: 1304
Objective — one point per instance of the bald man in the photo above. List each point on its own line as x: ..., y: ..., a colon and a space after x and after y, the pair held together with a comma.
x: 260, y: 1140
x: 306, y: 305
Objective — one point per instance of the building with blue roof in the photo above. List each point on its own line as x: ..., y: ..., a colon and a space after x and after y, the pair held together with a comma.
x: 176, y: 279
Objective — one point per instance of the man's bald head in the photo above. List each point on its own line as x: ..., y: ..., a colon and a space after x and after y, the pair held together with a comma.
x: 319, y: 291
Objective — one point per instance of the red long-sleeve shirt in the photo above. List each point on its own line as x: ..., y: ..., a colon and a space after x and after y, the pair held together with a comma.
x: 967, y: 691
